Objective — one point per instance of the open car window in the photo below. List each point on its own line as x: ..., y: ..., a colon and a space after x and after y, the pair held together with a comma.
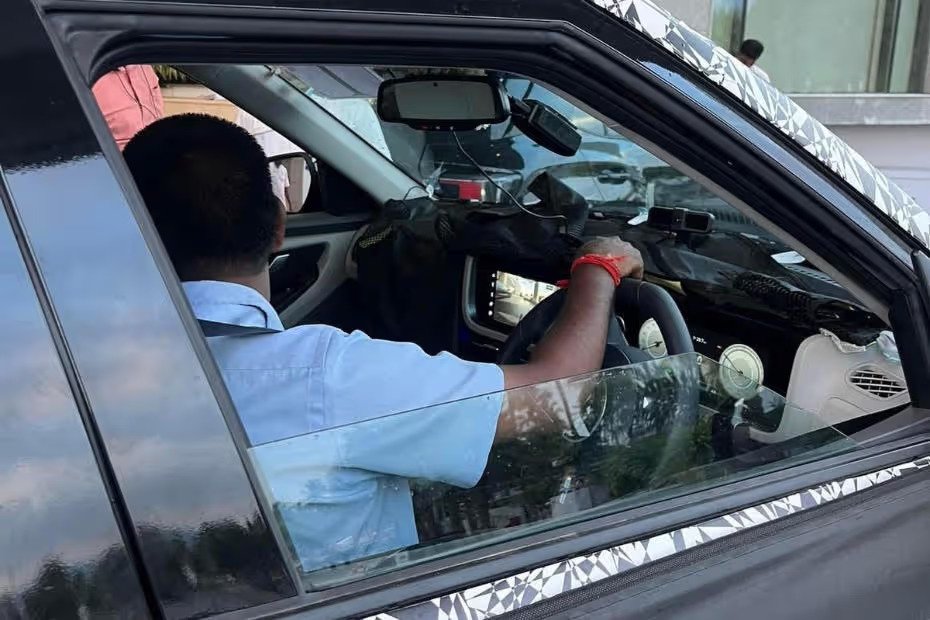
x: 616, y: 177
x: 578, y: 448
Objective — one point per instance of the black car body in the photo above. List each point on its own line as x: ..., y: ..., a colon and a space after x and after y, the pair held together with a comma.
x: 126, y: 485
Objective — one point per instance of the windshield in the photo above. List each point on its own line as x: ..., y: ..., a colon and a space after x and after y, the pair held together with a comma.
x: 620, y: 181
x: 608, y: 170
x: 561, y: 453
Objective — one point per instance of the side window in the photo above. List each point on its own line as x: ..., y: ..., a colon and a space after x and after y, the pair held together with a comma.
x: 395, y: 491
x: 786, y: 363
x: 377, y: 456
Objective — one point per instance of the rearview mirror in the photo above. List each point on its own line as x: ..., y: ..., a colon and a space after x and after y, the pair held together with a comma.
x: 292, y: 177
x: 443, y: 102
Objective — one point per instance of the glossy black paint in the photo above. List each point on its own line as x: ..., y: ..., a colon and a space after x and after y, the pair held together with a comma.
x: 52, y: 564
x: 861, y: 558
x: 176, y: 472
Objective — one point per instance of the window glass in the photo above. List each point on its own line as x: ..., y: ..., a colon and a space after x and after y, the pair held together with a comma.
x: 829, y: 46
x: 388, y: 492
x: 904, y: 46
x: 738, y: 269
x: 379, y: 493
x: 613, y: 174
x: 609, y: 170
x: 726, y: 26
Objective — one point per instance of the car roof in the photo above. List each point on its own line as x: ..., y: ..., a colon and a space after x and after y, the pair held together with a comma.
x: 706, y: 57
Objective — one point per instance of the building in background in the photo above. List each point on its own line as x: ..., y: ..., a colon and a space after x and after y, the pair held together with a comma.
x: 862, y: 67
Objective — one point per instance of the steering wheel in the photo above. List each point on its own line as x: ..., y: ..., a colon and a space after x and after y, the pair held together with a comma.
x: 643, y: 298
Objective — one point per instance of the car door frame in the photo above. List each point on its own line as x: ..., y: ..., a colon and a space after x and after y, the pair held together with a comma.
x: 712, y: 121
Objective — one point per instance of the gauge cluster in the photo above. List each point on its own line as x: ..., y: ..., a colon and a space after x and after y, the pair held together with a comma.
x: 739, y: 367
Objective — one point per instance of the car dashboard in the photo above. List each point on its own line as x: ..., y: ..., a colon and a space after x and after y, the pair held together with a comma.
x: 754, y: 341
x: 494, y: 301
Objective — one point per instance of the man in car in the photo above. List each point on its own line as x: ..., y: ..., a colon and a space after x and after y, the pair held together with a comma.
x: 343, y: 494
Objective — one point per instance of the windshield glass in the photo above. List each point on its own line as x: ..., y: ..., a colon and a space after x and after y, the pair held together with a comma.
x: 561, y: 453
x: 608, y: 170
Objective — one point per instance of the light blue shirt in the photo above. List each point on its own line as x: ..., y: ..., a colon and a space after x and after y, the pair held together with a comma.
x: 317, y: 404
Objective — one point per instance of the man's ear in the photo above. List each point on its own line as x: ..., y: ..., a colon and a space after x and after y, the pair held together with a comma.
x: 279, y: 227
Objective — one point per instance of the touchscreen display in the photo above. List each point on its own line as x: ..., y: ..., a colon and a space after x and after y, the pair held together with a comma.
x: 514, y: 296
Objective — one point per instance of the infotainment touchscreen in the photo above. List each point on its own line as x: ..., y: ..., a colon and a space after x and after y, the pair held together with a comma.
x: 514, y: 296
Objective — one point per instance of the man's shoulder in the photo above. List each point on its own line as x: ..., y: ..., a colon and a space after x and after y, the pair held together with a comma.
x: 298, y: 347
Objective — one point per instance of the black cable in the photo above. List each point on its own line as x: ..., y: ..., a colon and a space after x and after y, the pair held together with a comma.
x: 495, y: 184
x: 420, y: 159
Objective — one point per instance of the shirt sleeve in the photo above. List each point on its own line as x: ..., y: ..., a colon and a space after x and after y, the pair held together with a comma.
x: 402, y: 412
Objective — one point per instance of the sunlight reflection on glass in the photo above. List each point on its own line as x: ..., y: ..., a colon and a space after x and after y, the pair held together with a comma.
x: 572, y: 449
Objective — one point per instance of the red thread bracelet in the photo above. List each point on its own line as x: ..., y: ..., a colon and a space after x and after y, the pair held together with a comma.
x: 611, y: 264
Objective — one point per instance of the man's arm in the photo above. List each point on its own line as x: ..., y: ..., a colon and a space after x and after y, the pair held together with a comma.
x: 575, y: 343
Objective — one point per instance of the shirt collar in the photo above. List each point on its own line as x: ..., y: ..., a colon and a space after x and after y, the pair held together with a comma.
x: 234, y: 304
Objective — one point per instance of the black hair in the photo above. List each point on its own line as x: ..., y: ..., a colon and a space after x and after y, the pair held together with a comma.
x: 207, y: 186
x: 752, y: 48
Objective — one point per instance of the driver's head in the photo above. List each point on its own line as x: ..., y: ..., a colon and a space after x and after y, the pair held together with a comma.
x: 207, y: 186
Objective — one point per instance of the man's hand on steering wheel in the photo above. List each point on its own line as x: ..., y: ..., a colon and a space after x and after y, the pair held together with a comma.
x: 574, y: 344
x: 572, y: 329
x: 631, y: 261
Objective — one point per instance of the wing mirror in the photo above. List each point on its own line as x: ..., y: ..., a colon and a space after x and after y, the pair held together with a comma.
x: 443, y: 102
x: 293, y: 176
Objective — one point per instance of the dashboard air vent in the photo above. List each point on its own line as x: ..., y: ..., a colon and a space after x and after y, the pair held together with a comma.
x: 876, y: 382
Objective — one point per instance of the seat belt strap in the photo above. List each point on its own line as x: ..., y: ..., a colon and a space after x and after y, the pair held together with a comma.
x: 213, y: 328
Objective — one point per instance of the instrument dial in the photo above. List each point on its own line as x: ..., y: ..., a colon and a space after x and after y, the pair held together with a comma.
x: 651, y: 340
x: 741, y: 371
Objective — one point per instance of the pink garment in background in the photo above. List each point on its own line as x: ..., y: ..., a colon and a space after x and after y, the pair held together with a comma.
x: 130, y: 99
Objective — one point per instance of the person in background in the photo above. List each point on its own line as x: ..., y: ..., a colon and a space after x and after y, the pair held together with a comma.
x: 273, y: 144
x: 280, y: 184
x: 749, y: 52
x: 130, y: 100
